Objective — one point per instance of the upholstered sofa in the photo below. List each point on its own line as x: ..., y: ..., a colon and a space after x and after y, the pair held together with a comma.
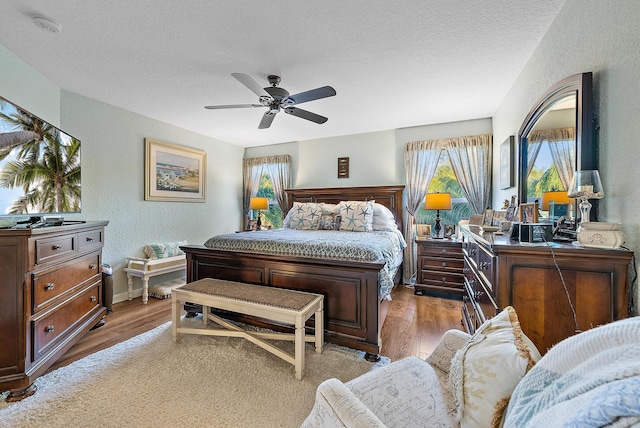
x: 497, y: 378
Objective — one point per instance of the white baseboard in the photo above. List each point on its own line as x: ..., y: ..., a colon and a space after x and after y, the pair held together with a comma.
x: 121, y: 297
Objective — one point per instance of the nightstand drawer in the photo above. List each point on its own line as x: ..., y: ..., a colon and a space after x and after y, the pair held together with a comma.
x: 440, y: 251
x: 442, y: 278
x: 439, y: 263
x: 57, y: 248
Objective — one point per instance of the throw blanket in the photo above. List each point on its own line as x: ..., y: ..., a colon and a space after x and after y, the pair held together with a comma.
x: 589, y: 380
x: 322, y: 244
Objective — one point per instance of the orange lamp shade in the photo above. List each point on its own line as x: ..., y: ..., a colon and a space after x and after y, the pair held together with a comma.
x: 259, y: 204
x: 557, y: 196
x: 437, y: 201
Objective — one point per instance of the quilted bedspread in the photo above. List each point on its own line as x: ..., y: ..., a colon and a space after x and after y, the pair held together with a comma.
x: 322, y: 244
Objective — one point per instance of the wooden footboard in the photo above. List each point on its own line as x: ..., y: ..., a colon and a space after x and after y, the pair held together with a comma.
x: 353, y: 311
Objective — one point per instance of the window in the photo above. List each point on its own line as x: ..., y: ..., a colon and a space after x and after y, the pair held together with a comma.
x: 445, y: 181
x: 273, y: 217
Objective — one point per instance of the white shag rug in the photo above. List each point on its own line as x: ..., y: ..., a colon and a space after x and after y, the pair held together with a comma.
x: 150, y: 381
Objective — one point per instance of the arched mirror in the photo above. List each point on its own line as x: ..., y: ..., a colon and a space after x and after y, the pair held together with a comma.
x: 556, y: 139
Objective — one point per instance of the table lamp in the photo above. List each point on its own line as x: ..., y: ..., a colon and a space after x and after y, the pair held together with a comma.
x: 586, y: 185
x: 437, y: 201
x: 259, y: 204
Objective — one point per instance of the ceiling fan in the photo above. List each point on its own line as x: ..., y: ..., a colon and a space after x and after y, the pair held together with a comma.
x: 276, y: 98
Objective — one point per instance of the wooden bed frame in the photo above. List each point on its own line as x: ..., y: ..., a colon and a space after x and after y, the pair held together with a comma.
x: 354, y: 313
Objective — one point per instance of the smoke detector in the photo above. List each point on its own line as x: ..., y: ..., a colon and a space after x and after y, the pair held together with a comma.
x: 47, y: 25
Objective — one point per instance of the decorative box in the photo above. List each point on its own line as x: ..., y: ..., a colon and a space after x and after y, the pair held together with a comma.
x: 536, y: 232
x: 600, y: 235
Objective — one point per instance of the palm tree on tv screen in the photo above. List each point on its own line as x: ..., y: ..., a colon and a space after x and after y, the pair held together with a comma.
x: 46, y: 166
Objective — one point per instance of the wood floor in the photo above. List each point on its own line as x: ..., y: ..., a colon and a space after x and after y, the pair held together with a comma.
x: 413, y: 325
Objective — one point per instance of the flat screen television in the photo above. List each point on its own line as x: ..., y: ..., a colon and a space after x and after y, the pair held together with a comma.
x: 40, y: 173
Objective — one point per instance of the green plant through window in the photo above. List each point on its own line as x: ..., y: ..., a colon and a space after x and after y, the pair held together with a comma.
x: 444, y: 181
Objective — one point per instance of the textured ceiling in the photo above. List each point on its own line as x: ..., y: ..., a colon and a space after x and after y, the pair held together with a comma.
x: 393, y: 64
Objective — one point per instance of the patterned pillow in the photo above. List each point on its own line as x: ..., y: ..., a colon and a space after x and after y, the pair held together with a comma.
x: 357, y: 216
x: 487, y: 369
x: 161, y: 251
x: 329, y: 222
x: 305, y: 216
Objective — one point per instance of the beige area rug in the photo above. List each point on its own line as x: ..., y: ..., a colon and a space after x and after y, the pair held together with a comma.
x: 150, y: 381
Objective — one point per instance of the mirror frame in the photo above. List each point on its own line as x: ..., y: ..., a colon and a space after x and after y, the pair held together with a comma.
x: 586, y: 150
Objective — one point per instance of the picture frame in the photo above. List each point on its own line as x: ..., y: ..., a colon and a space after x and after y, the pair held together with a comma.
x: 449, y: 230
x: 174, y: 173
x: 507, y: 149
x: 529, y: 213
x: 487, y: 219
x: 499, y: 217
x: 252, y: 225
x: 476, y: 219
x: 510, y: 214
x: 424, y: 231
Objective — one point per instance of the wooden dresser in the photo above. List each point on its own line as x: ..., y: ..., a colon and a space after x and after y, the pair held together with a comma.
x: 50, y: 295
x: 440, y: 266
x: 500, y: 272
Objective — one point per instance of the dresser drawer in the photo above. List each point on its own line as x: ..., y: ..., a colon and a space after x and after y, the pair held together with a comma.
x: 56, y: 248
x: 90, y: 239
x: 50, y: 284
x: 54, y: 327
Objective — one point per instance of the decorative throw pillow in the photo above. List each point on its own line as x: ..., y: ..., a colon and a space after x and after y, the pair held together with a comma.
x: 161, y: 251
x: 487, y: 369
x: 329, y: 222
x: 357, y: 216
x: 305, y: 216
x: 383, y: 218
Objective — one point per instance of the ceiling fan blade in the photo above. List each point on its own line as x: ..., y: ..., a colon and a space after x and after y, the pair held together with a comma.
x: 248, y: 81
x: 233, y: 106
x: 267, y: 118
x: 314, y: 94
x: 298, y: 112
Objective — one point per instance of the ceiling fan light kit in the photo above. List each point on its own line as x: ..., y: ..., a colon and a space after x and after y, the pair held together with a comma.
x: 276, y: 98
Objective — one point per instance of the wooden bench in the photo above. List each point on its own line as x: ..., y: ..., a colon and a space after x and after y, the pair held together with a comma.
x: 274, y: 304
x: 147, y: 268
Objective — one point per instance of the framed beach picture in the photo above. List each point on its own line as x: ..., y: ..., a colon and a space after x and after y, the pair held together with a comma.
x: 174, y: 173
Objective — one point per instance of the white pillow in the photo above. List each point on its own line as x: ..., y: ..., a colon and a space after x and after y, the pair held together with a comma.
x: 305, y: 215
x: 487, y: 369
x: 383, y: 218
x: 357, y: 216
x: 164, y: 250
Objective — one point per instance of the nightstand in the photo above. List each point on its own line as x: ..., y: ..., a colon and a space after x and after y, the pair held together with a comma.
x: 440, y: 266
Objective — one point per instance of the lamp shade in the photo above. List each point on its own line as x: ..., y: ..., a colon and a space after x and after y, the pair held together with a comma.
x: 259, y: 204
x: 437, y: 201
x: 557, y: 196
x: 586, y: 184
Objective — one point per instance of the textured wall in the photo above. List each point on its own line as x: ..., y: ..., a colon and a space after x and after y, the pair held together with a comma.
x: 375, y: 158
x: 601, y: 37
x: 113, y: 182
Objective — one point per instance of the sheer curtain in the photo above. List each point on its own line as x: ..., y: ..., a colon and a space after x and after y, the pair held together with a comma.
x: 251, y: 171
x: 471, y: 162
x: 420, y: 163
x: 278, y: 168
x: 562, y: 142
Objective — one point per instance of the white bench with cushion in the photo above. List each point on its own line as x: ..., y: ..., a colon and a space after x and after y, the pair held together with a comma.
x: 161, y: 259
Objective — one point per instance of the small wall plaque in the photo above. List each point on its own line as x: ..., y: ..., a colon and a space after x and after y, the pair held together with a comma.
x: 343, y: 167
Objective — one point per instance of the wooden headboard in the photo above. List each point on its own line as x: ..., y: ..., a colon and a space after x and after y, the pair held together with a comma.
x: 389, y: 196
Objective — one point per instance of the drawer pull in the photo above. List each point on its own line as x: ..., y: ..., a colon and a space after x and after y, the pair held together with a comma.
x: 56, y: 247
x: 92, y: 266
x: 444, y: 279
x: 443, y: 251
x: 473, y: 251
x: 50, y: 286
x: 89, y: 239
x: 49, y: 329
x: 484, y: 265
x: 94, y: 298
x: 444, y: 264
